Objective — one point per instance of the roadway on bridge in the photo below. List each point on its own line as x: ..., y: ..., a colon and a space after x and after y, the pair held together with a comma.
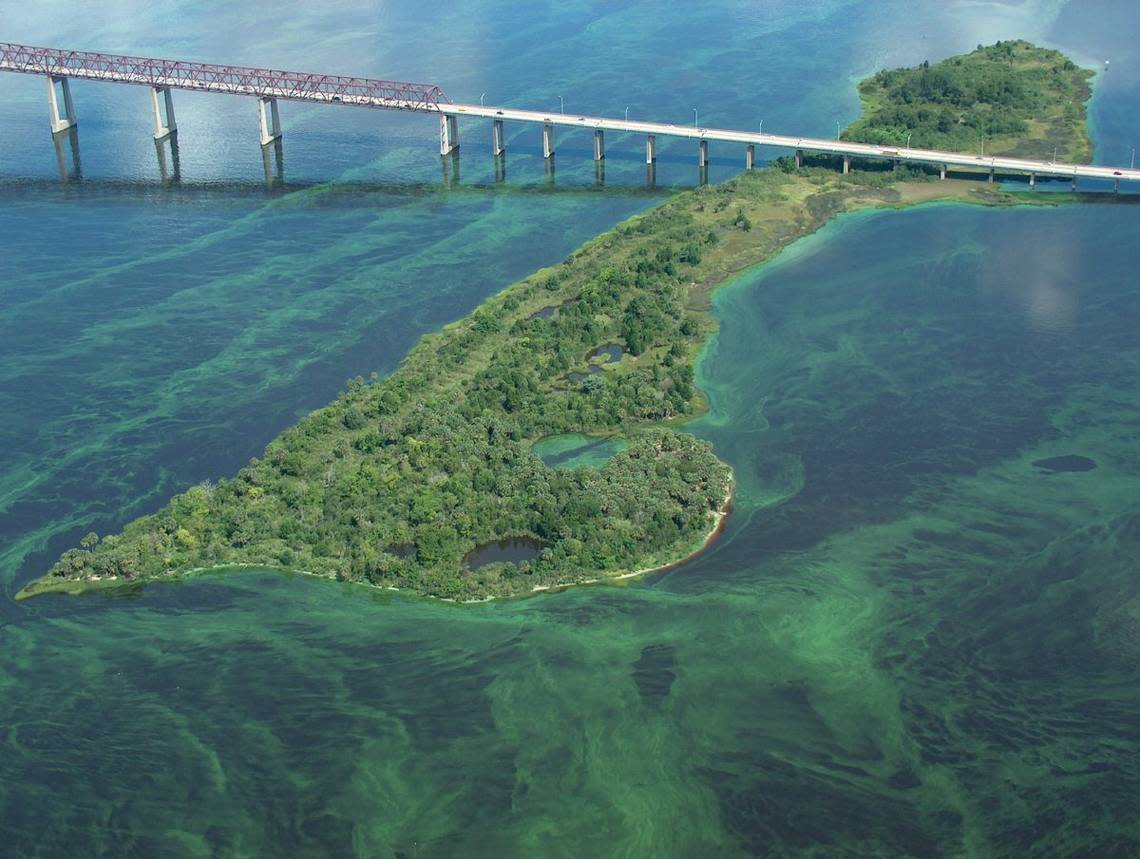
x: 809, y: 144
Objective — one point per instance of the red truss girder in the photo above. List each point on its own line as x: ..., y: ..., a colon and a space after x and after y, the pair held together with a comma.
x: 242, y: 80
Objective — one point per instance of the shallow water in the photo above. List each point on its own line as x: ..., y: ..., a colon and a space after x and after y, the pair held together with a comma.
x: 909, y: 640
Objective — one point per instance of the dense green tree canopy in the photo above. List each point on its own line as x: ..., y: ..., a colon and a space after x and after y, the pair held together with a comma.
x: 1012, y: 98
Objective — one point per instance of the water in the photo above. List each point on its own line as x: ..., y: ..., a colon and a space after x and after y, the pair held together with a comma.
x: 574, y: 450
x: 513, y: 551
x: 910, y: 639
x: 610, y: 353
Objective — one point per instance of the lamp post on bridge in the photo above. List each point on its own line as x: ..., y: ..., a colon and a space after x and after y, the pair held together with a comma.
x: 909, y: 133
x: 481, y: 97
x: 696, y: 118
x: 561, y: 105
x: 760, y: 133
x: 627, y: 113
x: 1132, y: 166
x: 837, y: 129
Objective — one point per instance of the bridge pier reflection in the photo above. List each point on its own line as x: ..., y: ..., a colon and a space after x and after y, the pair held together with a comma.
x: 273, y: 159
x: 501, y: 168
x: 169, y: 163
x: 600, y: 173
x: 450, y: 168
x: 66, y: 144
x: 651, y: 175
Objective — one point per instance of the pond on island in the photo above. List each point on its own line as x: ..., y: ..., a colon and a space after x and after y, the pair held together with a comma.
x: 611, y: 351
x: 574, y: 450
x: 548, y: 312
x: 512, y: 551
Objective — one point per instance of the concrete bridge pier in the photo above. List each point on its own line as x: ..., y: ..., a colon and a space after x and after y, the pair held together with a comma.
x: 942, y: 172
x: 703, y: 154
x: 270, y: 119
x: 750, y: 157
x: 651, y: 149
x: 450, y: 165
x: 67, y: 120
x: 1032, y: 180
x: 991, y: 178
x: 547, y: 139
x: 163, y: 103
x: 1116, y: 186
x: 846, y: 164
x: 497, y: 147
x: 799, y: 158
x: 599, y: 144
x: 448, y: 133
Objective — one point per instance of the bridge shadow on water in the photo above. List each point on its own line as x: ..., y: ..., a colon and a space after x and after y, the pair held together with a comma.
x: 171, y: 185
x: 522, y: 170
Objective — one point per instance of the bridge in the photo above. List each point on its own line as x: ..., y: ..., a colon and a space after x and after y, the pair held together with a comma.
x: 59, y: 67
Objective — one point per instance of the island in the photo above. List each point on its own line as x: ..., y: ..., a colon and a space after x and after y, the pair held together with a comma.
x: 429, y: 481
x: 1011, y: 98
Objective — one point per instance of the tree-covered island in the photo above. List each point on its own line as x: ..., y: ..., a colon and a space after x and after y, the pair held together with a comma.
x: 398, y: 480
x: 1011, y: 98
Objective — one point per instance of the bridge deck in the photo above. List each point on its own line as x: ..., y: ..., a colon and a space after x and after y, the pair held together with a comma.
x: 808, y: 144
x: 428, y: 98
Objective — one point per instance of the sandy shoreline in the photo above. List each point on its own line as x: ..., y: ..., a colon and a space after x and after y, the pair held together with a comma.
x: 719, y: 518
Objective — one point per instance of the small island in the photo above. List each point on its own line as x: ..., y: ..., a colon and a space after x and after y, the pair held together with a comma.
x: 402, y: 481
x: 1011, y: 98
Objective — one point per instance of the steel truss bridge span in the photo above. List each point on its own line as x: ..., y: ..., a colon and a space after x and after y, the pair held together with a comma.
x: 207, y: 77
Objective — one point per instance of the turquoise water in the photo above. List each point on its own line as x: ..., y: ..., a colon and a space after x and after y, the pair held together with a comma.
x: 910, y: 639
